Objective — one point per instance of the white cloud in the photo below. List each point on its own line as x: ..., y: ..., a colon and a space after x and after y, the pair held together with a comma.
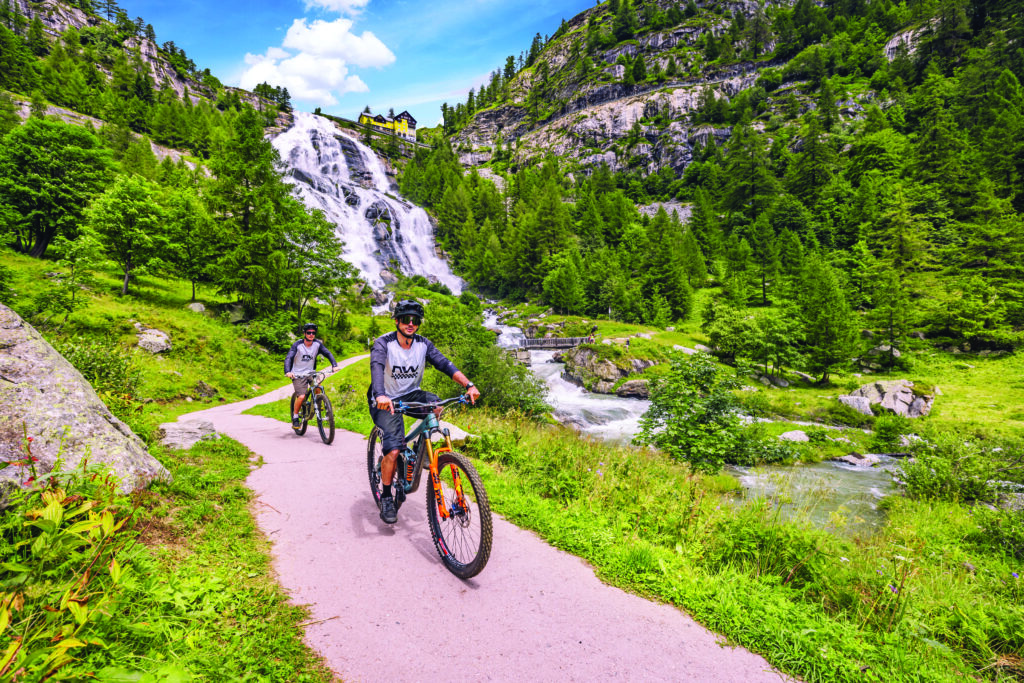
x: 313, y: 60
x: 335, y: 39
x: 308, y: 77
x: 340, y: 6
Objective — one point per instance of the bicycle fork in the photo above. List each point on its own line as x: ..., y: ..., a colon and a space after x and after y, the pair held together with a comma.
x: 435, y: 479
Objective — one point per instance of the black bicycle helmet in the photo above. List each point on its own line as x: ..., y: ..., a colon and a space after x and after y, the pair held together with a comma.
x: 310, y: 326
x: 408, y: 307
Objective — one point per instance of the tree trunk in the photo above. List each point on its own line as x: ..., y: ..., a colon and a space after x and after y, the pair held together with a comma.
x: 193, y: 291
x: 127, y: 273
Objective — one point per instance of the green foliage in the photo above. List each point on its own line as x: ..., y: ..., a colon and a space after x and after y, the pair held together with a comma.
x: 950, y: 467
x: 888, y: 430
x: 107, y: 365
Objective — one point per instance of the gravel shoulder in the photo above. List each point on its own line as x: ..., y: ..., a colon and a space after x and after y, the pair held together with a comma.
x: 383, y: 607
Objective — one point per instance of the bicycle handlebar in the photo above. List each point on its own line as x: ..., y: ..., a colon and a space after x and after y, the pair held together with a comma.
x: 405, y: 406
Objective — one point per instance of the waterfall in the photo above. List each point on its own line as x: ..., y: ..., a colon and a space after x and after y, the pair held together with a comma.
x: 342, y: 177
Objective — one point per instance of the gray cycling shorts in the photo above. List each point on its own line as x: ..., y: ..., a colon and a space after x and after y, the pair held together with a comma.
x: 300, y: 384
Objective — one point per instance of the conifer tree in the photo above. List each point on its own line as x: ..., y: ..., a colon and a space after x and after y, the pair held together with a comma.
x: 765, y: 253
x: 828, y: 324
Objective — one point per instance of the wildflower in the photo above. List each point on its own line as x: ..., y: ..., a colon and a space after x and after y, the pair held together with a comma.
x: 844, y: 559
x: 879, y: 571
x: 29, y: 439
x: 893, y: 588
x: 1015, y: 575
x: 600, y: 473
x: 29, y: 481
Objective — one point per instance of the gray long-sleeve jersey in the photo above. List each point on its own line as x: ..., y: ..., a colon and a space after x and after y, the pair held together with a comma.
x: 301, y: 359
x: 395, y: 371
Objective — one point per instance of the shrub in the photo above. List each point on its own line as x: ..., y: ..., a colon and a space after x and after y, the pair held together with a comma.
x: 949, y: 468
x: 1002, y: 529
x: 888, y: 430
x: 107, y: 365
x: 275, y: 332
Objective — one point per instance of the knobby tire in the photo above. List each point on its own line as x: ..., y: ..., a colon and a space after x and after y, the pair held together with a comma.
x: 303, y: 418
x: 325, y: 421
x: 463, y: 541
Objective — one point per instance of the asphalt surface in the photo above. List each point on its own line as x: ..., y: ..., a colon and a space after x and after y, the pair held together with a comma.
x: 383, y: 607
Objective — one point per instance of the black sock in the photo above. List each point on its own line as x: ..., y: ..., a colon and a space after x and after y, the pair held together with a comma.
x: 387, y: 491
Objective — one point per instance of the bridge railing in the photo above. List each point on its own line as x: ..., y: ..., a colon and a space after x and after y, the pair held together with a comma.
x: 554, y: 342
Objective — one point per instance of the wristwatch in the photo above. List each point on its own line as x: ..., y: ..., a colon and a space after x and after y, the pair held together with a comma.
x: 470, y: 385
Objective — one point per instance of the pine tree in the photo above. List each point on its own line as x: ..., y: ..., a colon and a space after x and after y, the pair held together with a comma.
x: 813, y: 167
x: 752, y: 184
x: 828, y: 324
x: 765, y: 253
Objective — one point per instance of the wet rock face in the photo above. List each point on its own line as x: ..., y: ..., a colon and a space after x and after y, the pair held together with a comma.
x: 44, y: 397
x: 583, y: 367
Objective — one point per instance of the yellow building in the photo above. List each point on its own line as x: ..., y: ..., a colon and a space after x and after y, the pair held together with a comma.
x: 403, y: 125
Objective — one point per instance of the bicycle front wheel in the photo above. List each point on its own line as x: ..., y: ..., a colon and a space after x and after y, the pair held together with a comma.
x: 325, y: 418
x: 301, y: 429
x: 462, y: 530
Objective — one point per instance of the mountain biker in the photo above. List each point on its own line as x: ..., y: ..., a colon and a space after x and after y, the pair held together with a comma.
x: 301, y: 360
x: 397, y: 362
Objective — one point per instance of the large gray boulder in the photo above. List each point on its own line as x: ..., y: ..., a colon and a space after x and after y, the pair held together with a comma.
x: 635, y: 388
x: 859, y: 403
x: 896, y: 395
x: 184, y: 435
x: 42, y: 396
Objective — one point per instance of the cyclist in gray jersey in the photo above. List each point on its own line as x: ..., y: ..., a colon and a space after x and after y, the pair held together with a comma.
x: 397, y: 362
x: 301, y: 360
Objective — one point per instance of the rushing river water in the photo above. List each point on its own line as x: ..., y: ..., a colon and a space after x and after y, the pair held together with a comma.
x: 831, y: 495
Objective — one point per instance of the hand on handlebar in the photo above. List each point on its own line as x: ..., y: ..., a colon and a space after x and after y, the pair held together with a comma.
x: 384, y: 403
x: 290, y: 375
x: 473, y: 394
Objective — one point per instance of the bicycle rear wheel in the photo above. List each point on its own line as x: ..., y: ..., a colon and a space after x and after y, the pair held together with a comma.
x: 301, y: 429
x: 325, y: 418
x: 374, y: 454
x: 463, y: 531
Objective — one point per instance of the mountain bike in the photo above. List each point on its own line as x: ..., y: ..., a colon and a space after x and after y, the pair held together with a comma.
x: 316, y: 406
x: 458, y: 512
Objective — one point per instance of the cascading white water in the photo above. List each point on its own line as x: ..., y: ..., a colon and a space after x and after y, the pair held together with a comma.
x: 339, y: 175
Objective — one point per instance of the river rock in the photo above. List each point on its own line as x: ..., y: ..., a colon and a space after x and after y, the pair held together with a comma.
x: 186, y: 434
x: 635, y: 388
x: 858, y: 460
x: 44, y: 397
x: 796, y: 435
x: 604, y: 387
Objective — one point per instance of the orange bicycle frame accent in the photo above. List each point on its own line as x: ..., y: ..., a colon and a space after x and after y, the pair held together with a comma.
x: 436, y: 480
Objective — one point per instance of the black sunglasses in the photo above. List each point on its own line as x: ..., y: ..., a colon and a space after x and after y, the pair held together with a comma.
x: 310, y: 331
x: 406, y: 319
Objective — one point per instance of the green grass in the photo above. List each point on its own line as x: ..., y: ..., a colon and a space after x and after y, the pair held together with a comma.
x: 174, y: 583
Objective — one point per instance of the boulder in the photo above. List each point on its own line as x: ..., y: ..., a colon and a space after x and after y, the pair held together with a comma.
x: 184, y: 435
x: 859, y: 403
x: 635, y: 388
x: 196, y: 307
x: 701, y: 347
x: 604, y: 387
x: 885, y: 350
x: 858, y: 460
x: 43, y: 397
x: 687, y: 351
x: 796, y: 435
x: 204, y: 390
x: 152, y: 339
x: 896, y: 395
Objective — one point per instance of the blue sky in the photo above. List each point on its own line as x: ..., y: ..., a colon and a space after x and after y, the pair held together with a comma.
x: 342, y: 55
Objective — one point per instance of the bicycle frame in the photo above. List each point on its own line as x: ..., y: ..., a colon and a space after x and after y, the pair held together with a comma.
x: 315, y: 388
x: 427, y: 427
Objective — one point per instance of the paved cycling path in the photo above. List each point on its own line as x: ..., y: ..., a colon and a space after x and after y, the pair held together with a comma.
x: 384, y: 608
